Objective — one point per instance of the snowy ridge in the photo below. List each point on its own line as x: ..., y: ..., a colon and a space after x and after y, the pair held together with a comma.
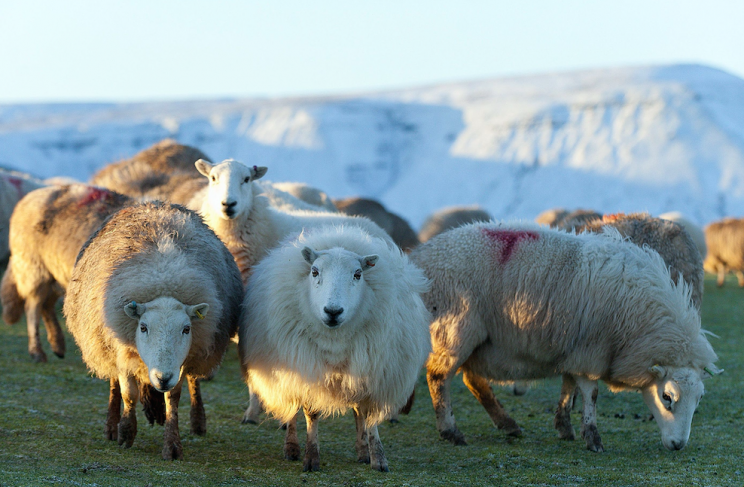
x: 653, y: 138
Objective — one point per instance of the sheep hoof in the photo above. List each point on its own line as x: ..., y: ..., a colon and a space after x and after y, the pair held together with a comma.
x: 363, y: 454
x: 292, y: 451
x: 198, y: 422
x: 454, y: 436
x: 381, y: 467
x: 58, y: 347
x: 110, y: 432
x: 592, y: 439
x: 311, y: 464
x: 562, y: 423
x: 510, y: 427
x: 173, y: 451
x: 127, y: 432
x: 38, y: 357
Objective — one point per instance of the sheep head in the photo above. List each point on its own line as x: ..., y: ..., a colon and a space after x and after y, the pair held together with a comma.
x: 163, y: 337
x: 336, y: 282
x: 230, y: 193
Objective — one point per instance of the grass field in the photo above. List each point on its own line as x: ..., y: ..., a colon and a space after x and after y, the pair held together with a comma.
x: 52, y: 417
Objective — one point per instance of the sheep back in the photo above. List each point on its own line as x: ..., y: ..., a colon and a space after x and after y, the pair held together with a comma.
x: 451, y: 217
x: 374, y: 360
x: 395, y: 226
x: 534, y: 302
x: 141, y: 253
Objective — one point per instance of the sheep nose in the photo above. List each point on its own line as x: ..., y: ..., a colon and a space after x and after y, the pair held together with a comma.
x: 677, y: 445
x: 333, y: 312
x: 229, y: 204
x: 163, y: 381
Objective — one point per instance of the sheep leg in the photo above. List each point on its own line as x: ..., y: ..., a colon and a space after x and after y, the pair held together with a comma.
x: 128, y: 423
x: 197, y: 415
x: 481, y: 389
x: 721, y: 275
x: 740, y: 278
x: 291, y: 442
x: 377, y: 458
x: 33, y: 316
x: 362, y: 446
x: 254, y: 408
x: 55, y: 337
x: 311, y: 463
x: 589, y: 430
x: 520, y: 387
x: 114, y: 410
x: 562, y: 420
x: 439, y: 388
x: 172, y: 449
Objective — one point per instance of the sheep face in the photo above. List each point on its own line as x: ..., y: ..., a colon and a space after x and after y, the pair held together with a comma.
x: 336, y: 282
x: 673, y: 397
x: 163, y: 337
x: 230, y: 193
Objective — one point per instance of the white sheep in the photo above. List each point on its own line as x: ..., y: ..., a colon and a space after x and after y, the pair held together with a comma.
x: 306, y: 193
x: 333, y: 320
x: 235, y: 208
x: 521, y: 302
x: 154, y: 298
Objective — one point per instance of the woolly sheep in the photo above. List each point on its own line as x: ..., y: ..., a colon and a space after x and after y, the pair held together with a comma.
x: 725, y: 242
x: 154, y: 298
x: 47, y: 230
x: 668, y: 238
x: 576, y: 218
x: 518, y: 301
x: 551, y: 217
x: 697, y: 234
x: 13, y: 186
x: 304, y: 192
x: 333, y: 320
x: 451, y: 217
x: 398, y: 229
x: 154, y: 173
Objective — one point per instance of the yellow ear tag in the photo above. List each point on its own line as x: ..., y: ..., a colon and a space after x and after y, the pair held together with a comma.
x: 198, y: 314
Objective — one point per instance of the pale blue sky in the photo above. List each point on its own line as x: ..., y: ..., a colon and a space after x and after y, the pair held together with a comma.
x: 97, y: 50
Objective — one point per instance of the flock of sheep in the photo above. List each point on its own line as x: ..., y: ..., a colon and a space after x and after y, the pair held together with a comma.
x: 337, y: 305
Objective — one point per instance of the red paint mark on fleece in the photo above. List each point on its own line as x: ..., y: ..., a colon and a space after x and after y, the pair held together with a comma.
x: 17, y: 184
x: 94, y: 194
x: 509, y: 240
x: 612, y: 217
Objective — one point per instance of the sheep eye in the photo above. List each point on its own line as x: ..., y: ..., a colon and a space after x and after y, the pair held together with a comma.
x: 143, y: 328
x: 667, y: 397
x: 247, y: 179
x: 213, y: 178
x: 314, y: 271
x: 186, y: 330
x: 358, y: 274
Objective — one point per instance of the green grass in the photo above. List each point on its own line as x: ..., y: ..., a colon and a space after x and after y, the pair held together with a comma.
x: 52, y: 415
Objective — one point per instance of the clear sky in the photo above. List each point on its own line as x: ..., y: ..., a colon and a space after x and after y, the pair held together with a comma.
x: 101, y: 50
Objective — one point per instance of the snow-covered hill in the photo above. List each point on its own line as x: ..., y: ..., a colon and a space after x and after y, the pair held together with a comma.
x: 654, y: 138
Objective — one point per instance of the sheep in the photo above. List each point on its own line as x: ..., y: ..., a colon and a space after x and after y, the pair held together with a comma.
x: 47, y: 230
x: 153, y: 298
x: 13, y: 186
x: 697, y: 234
x: 669, y: 239
x: 725, y: 242
x: 304, y: 192
x: 515, y: 301
x: 576, y: 218
x: 288, y: 201
x: 551, y: 217
x: 333, y: 320
x: 451, y: 217
x: 154, y: 173
x: 398, y: 229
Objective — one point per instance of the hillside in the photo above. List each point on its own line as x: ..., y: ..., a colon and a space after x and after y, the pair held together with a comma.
x: 653, y: 138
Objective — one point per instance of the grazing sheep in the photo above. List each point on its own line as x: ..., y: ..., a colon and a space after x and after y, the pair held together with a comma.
x: 47, y: 230
x: 13, y: 186
x: 725, y: 242
x: 398, y: 229
x: 451, y: 217
x: 333, y: 320
x: 307, y: 194
x: 154, y: 173
x: 697, y: 234
x: 576, y: 218
x: 154, y: 298
x: 669, y: 239
x: 520, y: 301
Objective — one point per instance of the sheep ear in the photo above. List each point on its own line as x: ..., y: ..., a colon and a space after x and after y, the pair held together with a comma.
x: 309, y: 255
x: 135, y: 310
x: 711, y: 371
x: 658, y: 371
x: 368, y: 261
x: 258, y: 172
x: 203, y: 167
x: 197, y: 311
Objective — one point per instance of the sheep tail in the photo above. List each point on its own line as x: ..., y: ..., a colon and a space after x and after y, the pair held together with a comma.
x: 153, y: 403
x: 12, y: 301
